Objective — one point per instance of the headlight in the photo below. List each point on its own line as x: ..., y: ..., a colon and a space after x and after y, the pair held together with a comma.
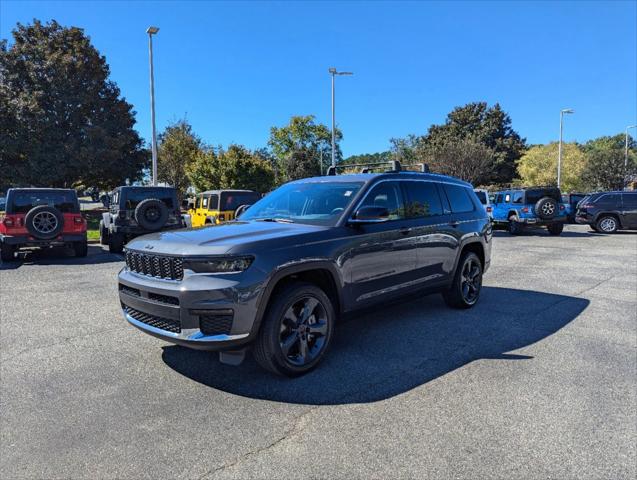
x: 219, y: 265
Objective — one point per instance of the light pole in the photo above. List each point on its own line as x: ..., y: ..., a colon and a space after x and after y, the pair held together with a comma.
x: 152, y: 31
x: 626, y: 155
x: 559, y: 148
x: 333, y: 72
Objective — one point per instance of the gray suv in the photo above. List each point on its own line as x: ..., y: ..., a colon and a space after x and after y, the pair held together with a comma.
x: 310, y: 251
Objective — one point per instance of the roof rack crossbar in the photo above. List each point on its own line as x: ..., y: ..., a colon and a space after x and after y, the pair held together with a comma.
x: 395, y: 166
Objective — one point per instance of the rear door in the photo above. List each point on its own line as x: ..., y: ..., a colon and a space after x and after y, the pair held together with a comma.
x: 629, y: 210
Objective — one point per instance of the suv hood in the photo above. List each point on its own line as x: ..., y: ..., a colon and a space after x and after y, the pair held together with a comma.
x: 218, y: 239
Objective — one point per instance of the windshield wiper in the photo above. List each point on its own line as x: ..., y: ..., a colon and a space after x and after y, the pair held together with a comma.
x: 275, y: 219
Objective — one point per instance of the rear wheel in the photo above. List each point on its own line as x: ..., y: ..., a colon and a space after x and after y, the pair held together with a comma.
x: 80, y: 248
x: 607, y: 224
x: 555, y: 228
x: 116, y: 243
x: 467, y: 282
x: 296, y: 331
x: 7, y: 252
x: 515, y: 227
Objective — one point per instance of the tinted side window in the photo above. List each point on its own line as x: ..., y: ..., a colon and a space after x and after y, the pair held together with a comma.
x: 610, y: 199
x: 388, y: 195
x: 422, y: 200
x: 458, y: 198
x: 213, y: 203
x: 233, y: 200
x: 198, y: 202
x: 517, y: 197
x: 630, y: 200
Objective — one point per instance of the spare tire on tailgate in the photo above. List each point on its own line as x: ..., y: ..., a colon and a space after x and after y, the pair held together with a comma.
x: 44, y: 222
x: 151, y: 214
x: 546, y: 208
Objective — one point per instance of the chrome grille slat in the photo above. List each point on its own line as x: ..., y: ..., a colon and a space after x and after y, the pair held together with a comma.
x: 158, y: 266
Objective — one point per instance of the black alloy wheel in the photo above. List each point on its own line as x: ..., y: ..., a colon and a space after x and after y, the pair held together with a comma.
x: 467, y: 283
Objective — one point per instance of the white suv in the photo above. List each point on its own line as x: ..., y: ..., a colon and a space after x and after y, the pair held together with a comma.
x: 486, y: 200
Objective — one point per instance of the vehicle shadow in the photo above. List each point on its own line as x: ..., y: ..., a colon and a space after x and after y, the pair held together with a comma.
x: 527, y: 232
x: 396, y: 348
x: 61, y: 256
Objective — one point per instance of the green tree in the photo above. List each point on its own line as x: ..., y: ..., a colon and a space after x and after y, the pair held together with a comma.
x: 490, y: 126
x: 606, y: 158
x: 538, y: 166
x: 368, y: 158
x: 240, y: 168
x: 62, y: 120
x: 465, y: 158
x: 299, y: 146
x: 178, y: 148
x: 203, y: 172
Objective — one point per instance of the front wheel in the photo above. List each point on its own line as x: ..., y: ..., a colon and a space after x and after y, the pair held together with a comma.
x: 464, y: 292
x: 296, y: 331
x: 103, y: 233
x: 555, y: 228
x: 515, y: 227
x: 607, y: 224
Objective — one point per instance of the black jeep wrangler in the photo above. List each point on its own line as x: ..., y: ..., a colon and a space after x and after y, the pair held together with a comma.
x: 134, y: 211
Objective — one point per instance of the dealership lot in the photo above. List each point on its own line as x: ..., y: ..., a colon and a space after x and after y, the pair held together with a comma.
x: 539, y: 380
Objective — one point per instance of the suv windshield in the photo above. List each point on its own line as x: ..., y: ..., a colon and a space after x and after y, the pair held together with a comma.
x: 320, y: 203
x: 23, y: 201
x: 233, y: 200
x: 133, y: 196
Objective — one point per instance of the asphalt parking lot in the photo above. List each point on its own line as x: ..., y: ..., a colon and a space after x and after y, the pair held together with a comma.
x: 538, y: 381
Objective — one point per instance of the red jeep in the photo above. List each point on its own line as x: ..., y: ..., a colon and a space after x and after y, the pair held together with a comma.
x: 41, y: 217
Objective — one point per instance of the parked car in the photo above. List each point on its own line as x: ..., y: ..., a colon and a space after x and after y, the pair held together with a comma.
x: 217, y: 206
x: 135, y: 211
x: 532, y: 206
x: 570, y: 201
x: 486, y: 200
x: 608, y: 212
x: 311, y: 250
x: 42, y: 217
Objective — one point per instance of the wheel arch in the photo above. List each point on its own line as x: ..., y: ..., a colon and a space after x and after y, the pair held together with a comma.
x: 615, y: 215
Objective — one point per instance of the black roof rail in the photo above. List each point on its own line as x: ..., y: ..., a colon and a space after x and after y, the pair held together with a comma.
x: 366, y: 167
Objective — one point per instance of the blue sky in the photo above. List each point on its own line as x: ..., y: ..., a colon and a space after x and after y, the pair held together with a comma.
x: 236, y: 69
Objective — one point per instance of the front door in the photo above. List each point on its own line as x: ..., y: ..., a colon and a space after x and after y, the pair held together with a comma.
x: 382, y: 258
x: 629, y: 210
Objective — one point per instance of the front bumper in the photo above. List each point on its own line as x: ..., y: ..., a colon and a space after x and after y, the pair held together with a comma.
x: 175, y: 311
x: 28, y: 241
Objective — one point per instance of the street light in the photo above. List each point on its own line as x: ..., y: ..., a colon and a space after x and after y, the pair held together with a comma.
x: 333, y: 72
x: 152, y: 31
x: 626, y: 155
x: 559, y: 150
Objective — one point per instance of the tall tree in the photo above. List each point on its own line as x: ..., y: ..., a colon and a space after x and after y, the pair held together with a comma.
x: 240, y: 168
x: 299, y: 146
x: 178, y: 148
x: 62, y: 120
x: 465, y: 158
x: 606, y: 158
x: 538, y: 166
x: 204, y: 172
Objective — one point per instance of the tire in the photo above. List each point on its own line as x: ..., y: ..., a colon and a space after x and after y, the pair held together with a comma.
x: 515, y: 227
x: 546, y: 208
x: 116, y: 243
x: 606, y: 224
x: 289, y: 305
x: 465, y: 290
x: 7, y: 252
x: 44, y: 222
x: 80, y: 248
x: 104, y: 234
x: 555, y: 228
x: 151, y: 214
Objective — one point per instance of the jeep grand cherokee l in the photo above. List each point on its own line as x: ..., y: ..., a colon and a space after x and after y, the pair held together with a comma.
x: 607, y: 212
x: 42, y: 217
x: 308, y: 252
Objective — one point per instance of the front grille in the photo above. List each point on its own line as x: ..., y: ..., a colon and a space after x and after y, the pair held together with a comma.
x: 158, y: 266
x: 163, y: 298
x: 130, y: 291
x: 158, y: 322
x: 215, y: 322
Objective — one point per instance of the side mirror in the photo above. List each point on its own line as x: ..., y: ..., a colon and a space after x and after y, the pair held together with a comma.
x: 370, y: 215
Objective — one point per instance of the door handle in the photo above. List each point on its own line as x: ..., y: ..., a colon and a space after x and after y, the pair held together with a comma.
x: 455, y: 223
x: 405, y: 231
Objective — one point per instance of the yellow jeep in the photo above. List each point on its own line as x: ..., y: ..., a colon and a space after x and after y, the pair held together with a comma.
x: 216, y: 206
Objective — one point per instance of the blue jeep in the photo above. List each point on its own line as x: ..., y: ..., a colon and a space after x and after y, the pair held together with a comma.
x: 536, y: 206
